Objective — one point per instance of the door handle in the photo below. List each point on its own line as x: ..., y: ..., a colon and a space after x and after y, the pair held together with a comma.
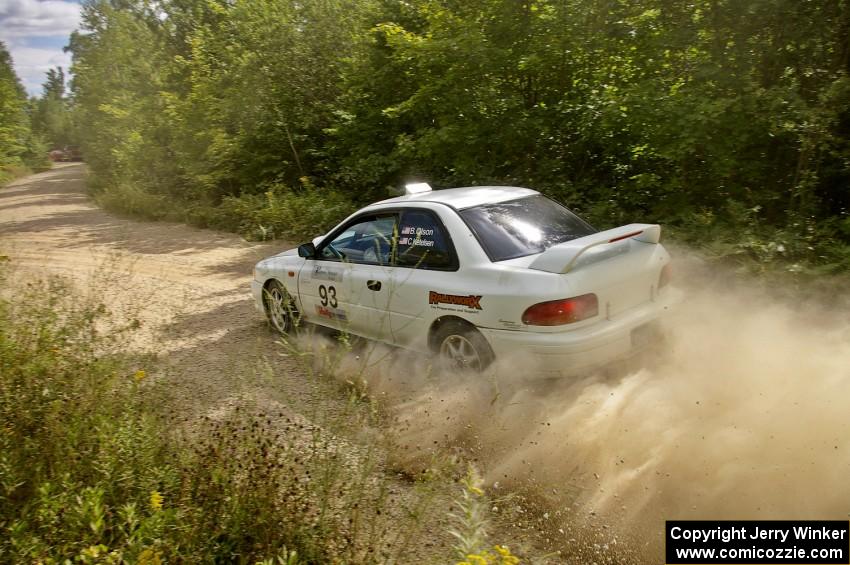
x: 373, y: 285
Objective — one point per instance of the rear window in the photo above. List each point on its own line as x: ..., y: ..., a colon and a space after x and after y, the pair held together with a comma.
x: 523, y: 227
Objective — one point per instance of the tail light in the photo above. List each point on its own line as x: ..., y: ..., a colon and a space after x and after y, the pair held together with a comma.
x: 665, y: 276
x: 560, y: 312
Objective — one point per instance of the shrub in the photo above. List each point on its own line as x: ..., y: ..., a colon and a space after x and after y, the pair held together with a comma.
x: 278, y: 213
x: 129, y: 198
x: 281, y: 213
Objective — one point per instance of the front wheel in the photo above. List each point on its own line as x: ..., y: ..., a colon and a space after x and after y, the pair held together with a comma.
x: 462, y: 347
x: 280, y: 309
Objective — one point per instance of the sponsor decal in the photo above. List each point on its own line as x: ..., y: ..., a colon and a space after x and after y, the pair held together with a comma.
x: 324, y: 273
x: 331, y: 313
x: 470, y: 301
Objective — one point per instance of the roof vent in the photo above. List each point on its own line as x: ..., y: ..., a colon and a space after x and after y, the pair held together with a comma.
x: 417, y: 188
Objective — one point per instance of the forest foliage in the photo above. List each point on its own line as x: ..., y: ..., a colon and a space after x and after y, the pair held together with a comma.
x: 21, y: 149
x: 728, y: 122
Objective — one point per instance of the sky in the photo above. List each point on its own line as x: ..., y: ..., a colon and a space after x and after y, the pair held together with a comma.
x: 35, y: 31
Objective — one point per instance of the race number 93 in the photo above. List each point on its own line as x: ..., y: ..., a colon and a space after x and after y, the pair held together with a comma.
x: 327, y: 295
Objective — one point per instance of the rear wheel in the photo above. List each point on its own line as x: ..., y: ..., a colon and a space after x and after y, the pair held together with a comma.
x: 280, y: 309
x: 462, y: 347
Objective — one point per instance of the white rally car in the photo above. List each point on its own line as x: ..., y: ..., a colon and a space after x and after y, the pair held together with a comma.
x: 476, y: 274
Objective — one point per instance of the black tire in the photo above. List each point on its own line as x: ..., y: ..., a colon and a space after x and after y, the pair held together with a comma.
x: 460, y: 346
x: 280, y: 309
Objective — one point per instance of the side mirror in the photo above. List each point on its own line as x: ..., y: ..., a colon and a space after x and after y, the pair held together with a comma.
x: 307, y: 250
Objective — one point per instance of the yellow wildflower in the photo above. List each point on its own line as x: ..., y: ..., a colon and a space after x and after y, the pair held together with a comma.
x: 507, y: 557
x: 156, y: 500
x: 140, y: 375
x: 149, y: 557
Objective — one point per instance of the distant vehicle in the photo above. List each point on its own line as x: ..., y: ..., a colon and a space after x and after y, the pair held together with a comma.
x: 476, y: 274
x: 67, y: 153
x: 73, y: 153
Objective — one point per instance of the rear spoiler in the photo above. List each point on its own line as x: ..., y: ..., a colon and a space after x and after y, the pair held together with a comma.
x: 562, y: 258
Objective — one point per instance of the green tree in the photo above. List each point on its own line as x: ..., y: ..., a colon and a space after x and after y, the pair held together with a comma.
x: 120, y: 70
x: 52, y: 117
x: 19, y: 148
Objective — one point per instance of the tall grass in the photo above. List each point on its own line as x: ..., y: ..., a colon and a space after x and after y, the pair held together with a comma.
x: 10, y: 172
x: 94, y: 470
x: 79, y: 454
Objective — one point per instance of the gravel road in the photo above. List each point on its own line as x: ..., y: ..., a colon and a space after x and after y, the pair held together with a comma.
x: 189, y: 287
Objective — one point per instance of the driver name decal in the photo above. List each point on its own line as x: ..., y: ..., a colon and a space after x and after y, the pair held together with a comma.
x: 470, y: 301
x: 419, y: 232
x: 418, y: 238
x: 416, y: 242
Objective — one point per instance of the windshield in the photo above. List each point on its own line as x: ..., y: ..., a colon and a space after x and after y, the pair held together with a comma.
x: 523, y: 227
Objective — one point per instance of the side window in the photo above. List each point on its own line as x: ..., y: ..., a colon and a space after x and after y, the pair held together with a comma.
x: 423, y: 243
x: 367, y: 240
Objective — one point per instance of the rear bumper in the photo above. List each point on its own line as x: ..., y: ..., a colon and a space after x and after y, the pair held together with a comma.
x: 578, y: 351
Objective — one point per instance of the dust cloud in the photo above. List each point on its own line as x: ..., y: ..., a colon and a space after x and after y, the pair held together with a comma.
x: 744, y: 413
